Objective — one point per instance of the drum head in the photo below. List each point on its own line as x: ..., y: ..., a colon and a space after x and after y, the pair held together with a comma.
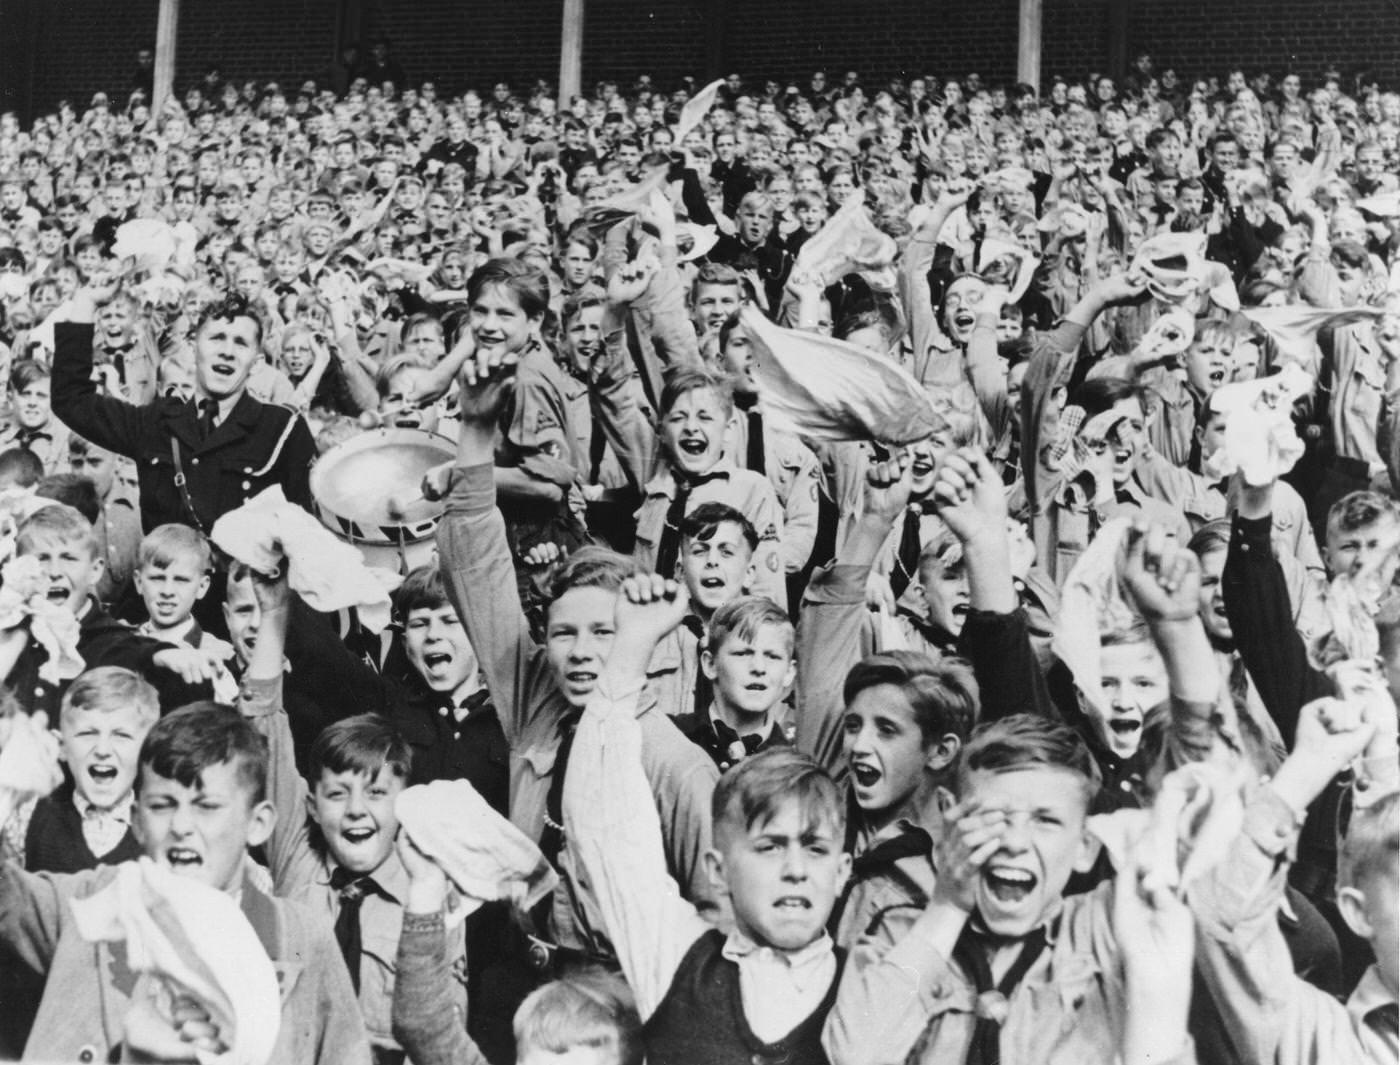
x: 355, y: 481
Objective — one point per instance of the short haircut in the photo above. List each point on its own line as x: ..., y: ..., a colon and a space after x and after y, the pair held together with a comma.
x: 1372, y: 844
x: 73, y: 489
x: 591, y: 567
x: 525, y: 282
x: 417, y: 321
x: 1100, y: 394
x: 704, y: 521
x: 717, y: 274
x: 422, y: 589
x: 1027, y: 741
x: 229, y: 309
x: 1356, y: 510
x: 588, y: 1008
x: 686, y: 379
x: 166, y: 544
x: 1212, y: 536
x: 752, y: 791
x: 58, y: 521
x: 942, y: 692
x: 578, y: 302
x: 365, y: 743
x: 197, y: 737
x: 25, y: 372
x: 21, y: 467
x: 743, y: 617
x: 108, y: 688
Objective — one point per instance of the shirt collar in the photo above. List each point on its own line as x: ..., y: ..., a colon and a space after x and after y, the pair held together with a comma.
x: 391, y: 878
x: 1370, y: 994
x: 803, y: 964
x: 120, y: 812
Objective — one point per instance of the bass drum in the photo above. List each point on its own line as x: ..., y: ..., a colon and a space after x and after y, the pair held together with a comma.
x: 355, y: 485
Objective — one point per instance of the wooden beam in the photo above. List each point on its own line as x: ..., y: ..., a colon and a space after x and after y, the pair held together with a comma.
x: 571, y: 53
x: 1028, y: 44
x: 167, y: 33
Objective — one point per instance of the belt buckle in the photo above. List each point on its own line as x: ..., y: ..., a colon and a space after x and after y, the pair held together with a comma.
x: 539, y: 953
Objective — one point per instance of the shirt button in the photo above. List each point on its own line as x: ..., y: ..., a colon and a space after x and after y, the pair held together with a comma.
x: 246, y: 486
x: 456, y: 735
x: 194, y: 462
x: 39, y: 690
x: 442, y: 711
x: 87, y: 1053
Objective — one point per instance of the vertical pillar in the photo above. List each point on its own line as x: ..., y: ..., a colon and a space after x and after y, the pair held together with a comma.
x: 1028, y: 46
x: 167, y: 31
x: 571, y: 53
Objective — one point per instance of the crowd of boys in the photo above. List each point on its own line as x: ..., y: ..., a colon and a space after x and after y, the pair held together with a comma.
x: 919, y: 564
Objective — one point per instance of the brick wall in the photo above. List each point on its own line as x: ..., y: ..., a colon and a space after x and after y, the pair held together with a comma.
x: 54, y: 48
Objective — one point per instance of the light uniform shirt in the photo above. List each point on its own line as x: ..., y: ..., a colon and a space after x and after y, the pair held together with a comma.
x: 303, y: 874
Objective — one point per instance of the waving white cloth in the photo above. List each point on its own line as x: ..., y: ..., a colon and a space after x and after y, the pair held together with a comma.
x: 325, y: 571
x: 849, y: 243
x: 696, y: 108
x: 1194, y: 821
x: 1294, y: 327
x: 1176, y: 269
x: 150, y: 241
x: 195, y: 941
x: 825, y: 389
x: 29, y: 760
x: 24, y: 590
x: 482, y: 853
x: 1260, y: 441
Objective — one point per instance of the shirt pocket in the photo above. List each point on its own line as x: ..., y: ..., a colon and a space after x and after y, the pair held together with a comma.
x: 1367, y: 389
x: 651, y: 521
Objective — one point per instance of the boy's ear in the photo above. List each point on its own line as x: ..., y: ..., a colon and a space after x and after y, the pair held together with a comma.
x: 1352, y: 904
x: 311, y: 806
x: 750, y: 576
x: 707, y: 664
x: 714, y: 869
x: 203, y: 587
x: 261, y: 820
x: 1089, y: 847
x: 942, y: 752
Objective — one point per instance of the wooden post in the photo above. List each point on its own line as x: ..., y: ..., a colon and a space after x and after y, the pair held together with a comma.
x: 571, y: 53
x: 1028, y: 46
x: 167, y: 32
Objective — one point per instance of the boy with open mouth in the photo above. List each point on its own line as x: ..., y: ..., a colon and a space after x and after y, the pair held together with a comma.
x: 64, y: 545
x: 333, y: 845
x: 106, y: 714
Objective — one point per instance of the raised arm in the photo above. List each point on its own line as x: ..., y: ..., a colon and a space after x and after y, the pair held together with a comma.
x: 610, y: 815
x: 474, y: 554
x: 996, y: 635
x: 106, y: 421
x: 260, y: 700
x: 1261, y: 615
x: 836, y: 631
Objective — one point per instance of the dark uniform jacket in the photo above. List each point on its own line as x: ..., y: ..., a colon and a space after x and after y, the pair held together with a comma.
x: 256, y: 446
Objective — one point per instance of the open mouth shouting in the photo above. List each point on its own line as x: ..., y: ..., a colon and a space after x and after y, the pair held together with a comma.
x: 1008, y: 887
x: 183, y: 859
x: 1123, y: 733
x: 58, y: 594
x: 579, y: 683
